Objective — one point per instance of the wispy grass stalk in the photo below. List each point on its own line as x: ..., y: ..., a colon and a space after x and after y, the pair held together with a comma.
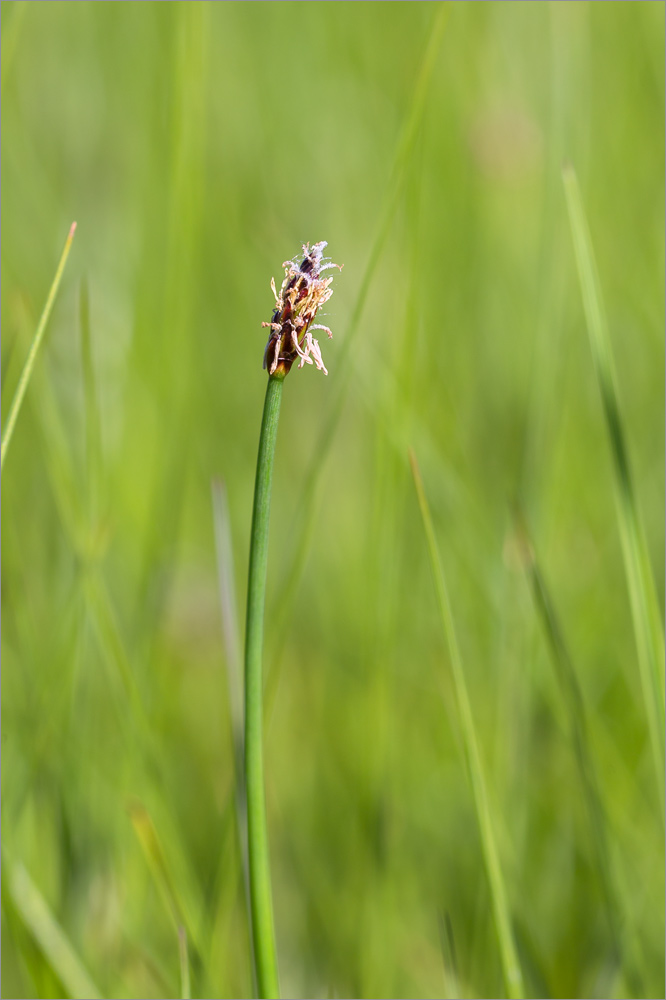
x: 154, y: 855
x: 163, y: 874
x: 93, y: 419
x: 648, y: 626
x: 513, y: 977
x: 261, y: 908
x: 34, y: 348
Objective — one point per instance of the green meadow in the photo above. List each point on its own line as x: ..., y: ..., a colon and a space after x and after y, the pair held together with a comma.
x: 464, y: 714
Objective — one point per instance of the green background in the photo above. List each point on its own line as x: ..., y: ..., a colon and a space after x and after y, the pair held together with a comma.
x: 198, y: 145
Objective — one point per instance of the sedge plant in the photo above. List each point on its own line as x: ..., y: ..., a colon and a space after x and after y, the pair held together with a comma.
x: 302, y: 294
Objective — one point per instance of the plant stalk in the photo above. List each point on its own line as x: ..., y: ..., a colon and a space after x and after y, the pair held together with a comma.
x: 645, y: 610
x: 513, y: 976
x: 34, y: 348
x: 261, y: 904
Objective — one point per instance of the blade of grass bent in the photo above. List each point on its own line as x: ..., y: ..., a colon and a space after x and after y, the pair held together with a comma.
x: 34, y: 348
x: 648, y: 627
x: 49, y: 935
x: 509, y: 956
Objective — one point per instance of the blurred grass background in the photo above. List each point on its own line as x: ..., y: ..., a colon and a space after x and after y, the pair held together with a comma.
x: 198, y: 145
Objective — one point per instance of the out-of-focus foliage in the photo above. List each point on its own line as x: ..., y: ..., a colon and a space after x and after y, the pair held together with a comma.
x: 198, y: 145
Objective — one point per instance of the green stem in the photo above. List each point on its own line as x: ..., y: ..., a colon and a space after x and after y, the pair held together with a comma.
x: 513, y: 975
x: 261, y: 905
x: 34, y: 347
x: 645, y: 610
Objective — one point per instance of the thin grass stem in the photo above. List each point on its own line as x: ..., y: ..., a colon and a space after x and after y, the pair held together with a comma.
x: 567, y: 677
x: 646, y: 616
x: 34, y: 348
x: 153, y: 851
x: 261, y: 904
x: 513, y: 977
x: 93, y: 430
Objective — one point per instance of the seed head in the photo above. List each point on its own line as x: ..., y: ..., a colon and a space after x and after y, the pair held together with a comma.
x: 301, y: 296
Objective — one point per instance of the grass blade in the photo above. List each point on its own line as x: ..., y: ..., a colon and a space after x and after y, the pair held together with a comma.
x: 510, y: 964
x: 92, y: 411
x: 159, y: 867
x: 49, y: 935
x: 452, y: 987
x: 34, y: 348
x: 648, y: 626
x: 575, y: 708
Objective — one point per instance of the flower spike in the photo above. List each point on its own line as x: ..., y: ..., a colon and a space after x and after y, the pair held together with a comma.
x: 300, y: 298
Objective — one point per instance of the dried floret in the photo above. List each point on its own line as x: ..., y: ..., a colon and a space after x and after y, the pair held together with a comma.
x: 301, y: 296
